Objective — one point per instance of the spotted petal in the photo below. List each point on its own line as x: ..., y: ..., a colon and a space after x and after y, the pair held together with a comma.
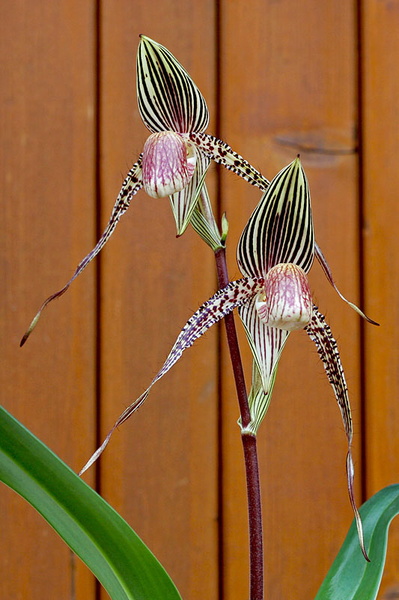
x: 131, y: 185
x: 327, y: 348
x: 168, y: 98
x: 221, y: 153
x: 236, y: 293
x: 280, y: 230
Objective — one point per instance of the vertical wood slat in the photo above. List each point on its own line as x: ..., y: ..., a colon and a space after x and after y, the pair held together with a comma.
x: 48, y: 217
x: 289, y: 85
x: 380, y: 87
x: 160, y: 469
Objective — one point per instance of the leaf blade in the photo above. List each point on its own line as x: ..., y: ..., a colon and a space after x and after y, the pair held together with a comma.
x: 350, y: 576
x: 92, y: 528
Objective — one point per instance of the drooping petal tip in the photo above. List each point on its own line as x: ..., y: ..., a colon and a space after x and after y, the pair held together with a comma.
x: 328, y: 273
x: 327, y: 348
x: 130, y: 186
x: 236, y: 293
x: 30, y: 329
x: 350, y: 473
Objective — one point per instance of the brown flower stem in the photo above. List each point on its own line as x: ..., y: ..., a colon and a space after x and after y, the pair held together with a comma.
x: 249, y: 446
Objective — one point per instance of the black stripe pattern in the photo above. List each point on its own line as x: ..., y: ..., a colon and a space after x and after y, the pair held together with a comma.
x: 168, y: 98
x: 280, y: 230
x: 266, y: 343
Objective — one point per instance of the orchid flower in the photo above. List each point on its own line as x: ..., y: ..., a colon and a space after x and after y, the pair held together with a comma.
x: 177, y: 154
x: 275, y: 253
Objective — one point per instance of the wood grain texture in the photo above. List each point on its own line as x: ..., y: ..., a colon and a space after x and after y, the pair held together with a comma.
x: 289, y: 83
x: 47, y: 220
x: 160, y: 469
x: 380, y: 131
x: 289, y: 86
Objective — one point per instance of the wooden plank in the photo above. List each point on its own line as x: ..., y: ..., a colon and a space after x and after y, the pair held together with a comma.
x: 380, y: 89
x: 47, y: 219
x: 288, y: 86
x: 160, y: 470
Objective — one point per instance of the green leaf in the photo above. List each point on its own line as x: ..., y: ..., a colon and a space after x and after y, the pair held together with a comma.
x: 91, y: 527
x: 351, y: 577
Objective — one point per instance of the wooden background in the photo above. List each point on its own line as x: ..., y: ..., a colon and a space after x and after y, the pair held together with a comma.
x: 280, y: 77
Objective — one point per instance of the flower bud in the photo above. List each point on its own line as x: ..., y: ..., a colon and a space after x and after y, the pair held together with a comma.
x: 168, y: 164
x: 286, y: 302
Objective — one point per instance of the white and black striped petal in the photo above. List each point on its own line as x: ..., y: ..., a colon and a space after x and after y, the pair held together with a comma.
x: 266, y: 342
x: 183, y: 203
x: 327, y: 348
x: 131, y: 185
x: 221, y: 153
x: 168, y: 98
x: 280, y: 230
x: 236, y: 293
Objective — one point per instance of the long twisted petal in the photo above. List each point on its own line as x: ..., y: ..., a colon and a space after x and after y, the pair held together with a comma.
x: 168, y: 98
x: 131, y: 185
x: 327, y: 348
x: 223, y: 302
x: 221, y: 153
x: 328, y: 273
x: 280, y: 230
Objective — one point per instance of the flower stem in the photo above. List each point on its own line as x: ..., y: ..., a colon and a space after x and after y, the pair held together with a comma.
x: 249, y: 446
